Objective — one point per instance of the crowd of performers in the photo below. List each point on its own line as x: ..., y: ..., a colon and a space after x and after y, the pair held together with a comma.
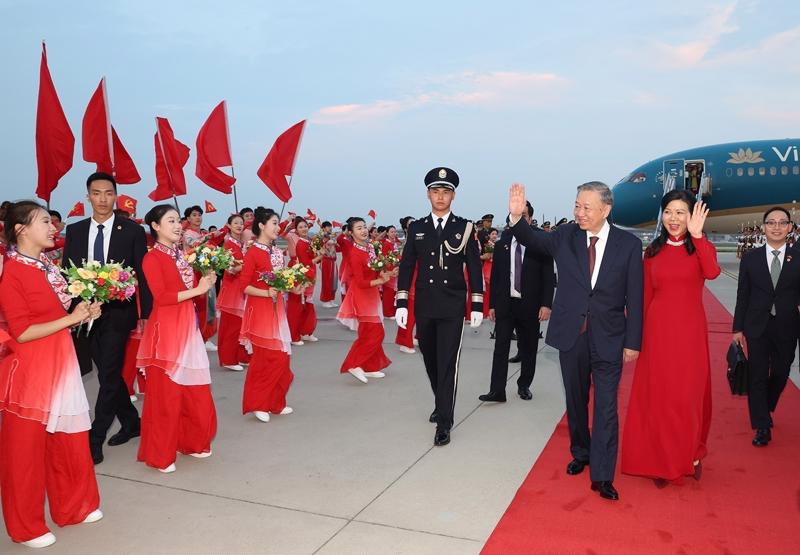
x: 158, y: 343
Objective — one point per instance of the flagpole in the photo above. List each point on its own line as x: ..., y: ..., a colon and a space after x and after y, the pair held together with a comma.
x: 108, y: 129
x: 176, y: 204
x: 230, y: 154
x: 284, y: 204
x: 235, y: 200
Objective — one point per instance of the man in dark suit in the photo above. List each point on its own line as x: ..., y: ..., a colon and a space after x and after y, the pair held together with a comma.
x: 521, y: 288
x: 596, y: 323
x: 107, y: 238
x: 439, y: 246
x: 766, y: 315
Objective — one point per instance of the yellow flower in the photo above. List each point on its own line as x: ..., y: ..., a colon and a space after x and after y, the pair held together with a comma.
x: 76, y: 288
x: 103, y: 275
x: 86, y: 274
x: 205, y: 262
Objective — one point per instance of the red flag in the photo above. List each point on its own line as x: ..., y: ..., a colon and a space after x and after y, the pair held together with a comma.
x: 310, y: 216
x: 334, y: 223
x: 77, y: 210
x: 55, y: 143
x: 101, y: 144
x: 171, y: 156
x: 371, y: 214
x: 214, y: 151
x: 125, y: 171
x: 210, y: 208
x: 280, y: 161
x: 126, y: 203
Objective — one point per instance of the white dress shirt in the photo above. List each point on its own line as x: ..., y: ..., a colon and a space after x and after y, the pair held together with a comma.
x: 600, y: 248
x: 770, y: 256
x: 514, y: 293
x: 108, y: 226
x: 435, y: 219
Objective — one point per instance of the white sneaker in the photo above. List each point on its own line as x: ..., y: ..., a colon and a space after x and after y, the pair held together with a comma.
x: 261, y: 415
x: 298, y: 342
x: 211, y: 347
x: 234, y: 367
x: 203, y: 455
x: 311, y: 338
x: 44, y: 540
x: 415, y: 342
x: 358, y: 373
x: 407, y: 350
x: 375, y: 374
x: 167, y: 470
x: 134, y: 398
x: 287, y: 410
x: 94, y: 516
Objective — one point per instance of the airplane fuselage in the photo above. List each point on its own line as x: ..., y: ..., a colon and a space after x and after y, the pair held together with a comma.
x: 739, y: 181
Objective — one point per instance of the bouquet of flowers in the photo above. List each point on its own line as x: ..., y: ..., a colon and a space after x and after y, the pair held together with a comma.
x: 488, y: 247
x: 318, y: 242
x: 392, y: 257
x: 101, y: 282
x: 287, y: 278
x: 207, y: 258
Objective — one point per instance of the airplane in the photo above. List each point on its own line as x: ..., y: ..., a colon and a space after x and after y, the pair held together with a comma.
x: 738, y: 181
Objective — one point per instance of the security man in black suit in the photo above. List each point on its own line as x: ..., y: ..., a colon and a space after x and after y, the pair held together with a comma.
x: 440, y: 245
x: 521, y: 288
x: 766, y: 316
x: 107, y: 238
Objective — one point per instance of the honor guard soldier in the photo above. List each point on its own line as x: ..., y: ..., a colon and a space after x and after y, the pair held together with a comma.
x: 440, y: 245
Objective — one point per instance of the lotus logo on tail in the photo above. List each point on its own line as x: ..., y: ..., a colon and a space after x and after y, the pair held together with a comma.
x: 745, y: 157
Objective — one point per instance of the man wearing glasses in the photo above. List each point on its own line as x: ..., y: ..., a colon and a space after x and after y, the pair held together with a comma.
x: 766, y: 316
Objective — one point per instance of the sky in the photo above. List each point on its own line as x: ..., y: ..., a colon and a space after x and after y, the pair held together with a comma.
x: 547, y: 94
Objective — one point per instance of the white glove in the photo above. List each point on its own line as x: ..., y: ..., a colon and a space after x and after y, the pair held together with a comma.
x: 401, y: 317
x: 475, y: 319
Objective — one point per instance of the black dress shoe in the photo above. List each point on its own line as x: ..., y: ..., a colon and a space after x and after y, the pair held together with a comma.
x: 491, y: 334
x: 541, y: 336
x: 606, y: 490
x: 97, y: 455
x: 123, y: 436
x: 493, y: 397
x: 763, y: 437
x: 515, y: 358
x: 576, y: 467
x: 525, y: 393
x: 660, y: 483
x: 442, y: 437
x: 434, y: 417
x: 698, y: 471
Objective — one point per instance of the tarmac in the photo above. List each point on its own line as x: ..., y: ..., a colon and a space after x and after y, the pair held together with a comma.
x: 353, y: 470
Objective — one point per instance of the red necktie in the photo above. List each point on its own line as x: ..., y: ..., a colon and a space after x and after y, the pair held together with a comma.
x: 592, y: 258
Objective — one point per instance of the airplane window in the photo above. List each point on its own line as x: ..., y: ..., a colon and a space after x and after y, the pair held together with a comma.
x: 739, y: 172
x: 784, y: 170
x: 773, y: 170
x: 751, y: 172
x: 728, y: 172
x: 762, y: 171
x: 796, y: 170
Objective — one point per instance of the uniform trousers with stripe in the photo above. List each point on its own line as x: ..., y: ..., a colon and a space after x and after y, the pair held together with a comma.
x: 440, y: 343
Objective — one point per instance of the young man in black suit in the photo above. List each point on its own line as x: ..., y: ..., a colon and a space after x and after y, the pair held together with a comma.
x: 521, y: 287
x: 766, y: 315
x: 596, y: 323
x: 107, y: 238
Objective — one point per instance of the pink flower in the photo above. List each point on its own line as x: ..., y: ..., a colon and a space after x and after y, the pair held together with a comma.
x: 124, y: 276
x: 129, y: 291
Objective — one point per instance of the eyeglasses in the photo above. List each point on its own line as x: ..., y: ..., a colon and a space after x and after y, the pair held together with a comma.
x: 780, y: 223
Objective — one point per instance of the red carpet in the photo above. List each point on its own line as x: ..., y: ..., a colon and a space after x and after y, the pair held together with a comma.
x: 748, y: 500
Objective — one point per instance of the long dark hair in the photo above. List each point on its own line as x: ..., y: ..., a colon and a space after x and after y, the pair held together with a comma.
x: 260, y: 219
x: 658, y: 243
x: 19, y: 213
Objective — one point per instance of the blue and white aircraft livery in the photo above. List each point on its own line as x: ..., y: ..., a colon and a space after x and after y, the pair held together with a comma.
x: 739, y: 181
